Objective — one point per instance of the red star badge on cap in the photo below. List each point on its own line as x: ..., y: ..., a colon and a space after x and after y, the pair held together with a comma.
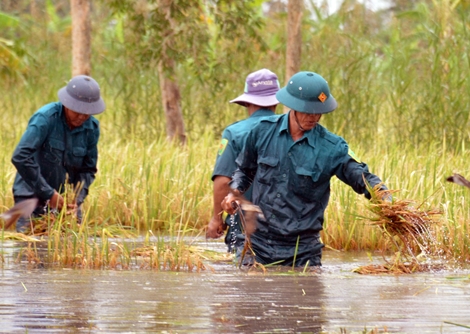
x: 322, y: 97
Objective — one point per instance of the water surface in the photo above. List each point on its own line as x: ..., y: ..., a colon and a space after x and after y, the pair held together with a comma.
x: 227, y: 300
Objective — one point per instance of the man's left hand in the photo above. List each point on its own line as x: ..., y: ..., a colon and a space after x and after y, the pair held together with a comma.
x: 215, y: 228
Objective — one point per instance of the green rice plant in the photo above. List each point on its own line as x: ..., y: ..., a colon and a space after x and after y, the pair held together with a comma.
x: 149, y: 193
x: 71, y: 245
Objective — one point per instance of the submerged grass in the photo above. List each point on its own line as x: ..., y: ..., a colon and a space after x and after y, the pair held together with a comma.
x: 58, y: 241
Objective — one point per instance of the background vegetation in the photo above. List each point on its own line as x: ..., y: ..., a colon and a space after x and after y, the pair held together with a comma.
x: 401, y: 77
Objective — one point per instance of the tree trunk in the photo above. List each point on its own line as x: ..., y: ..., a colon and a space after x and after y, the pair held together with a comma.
x: 81, y: 37
x: 294, y: 38
x: 171, y: 104
x: 34, y: 10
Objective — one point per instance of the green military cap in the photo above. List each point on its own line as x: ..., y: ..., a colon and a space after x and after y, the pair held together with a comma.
x: 307, y: 92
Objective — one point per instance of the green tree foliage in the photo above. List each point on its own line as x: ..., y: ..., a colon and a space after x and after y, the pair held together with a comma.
x: 11, y: 60
x: 400, y: 72
x: 427, y: 64
x: 211, y: 42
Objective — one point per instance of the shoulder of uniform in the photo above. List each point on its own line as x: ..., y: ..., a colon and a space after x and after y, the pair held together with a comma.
x: 95, y: 122
x: 234, y: 124
x: 231, y: 129
x: 271, y: 119
x: 50, y: 109
x: 44, y: 114
x: 329, y: 136
x: 231, y: 125
x: 268, y: 121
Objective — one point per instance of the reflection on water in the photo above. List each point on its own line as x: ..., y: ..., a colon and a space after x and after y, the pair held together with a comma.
x: 230, y: 301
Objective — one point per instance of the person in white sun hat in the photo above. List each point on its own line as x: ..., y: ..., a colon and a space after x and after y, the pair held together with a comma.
x: 59, y: 146
x: 259, y: 99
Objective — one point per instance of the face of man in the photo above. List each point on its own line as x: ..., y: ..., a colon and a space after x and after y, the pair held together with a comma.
x: 74, y: 119
x: 307, y: 121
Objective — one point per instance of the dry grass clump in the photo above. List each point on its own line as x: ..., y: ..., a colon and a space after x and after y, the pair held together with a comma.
x: 398, y: 267
x: 52, y: 223
x: 402, y: 221
x: 410, y: 231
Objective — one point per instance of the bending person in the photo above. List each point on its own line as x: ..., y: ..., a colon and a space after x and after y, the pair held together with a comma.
x: 59, y: 146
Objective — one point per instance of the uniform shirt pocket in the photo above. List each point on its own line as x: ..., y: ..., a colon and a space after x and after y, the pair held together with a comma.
x: 78, y: 155
x: 266, y: 167
x: 304, y: 181
x: 54, y: 151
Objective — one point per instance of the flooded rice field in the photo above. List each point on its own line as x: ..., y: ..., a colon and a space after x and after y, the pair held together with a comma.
x: 228, y: 300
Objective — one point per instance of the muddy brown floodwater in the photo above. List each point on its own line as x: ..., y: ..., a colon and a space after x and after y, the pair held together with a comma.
x: 228, y: 300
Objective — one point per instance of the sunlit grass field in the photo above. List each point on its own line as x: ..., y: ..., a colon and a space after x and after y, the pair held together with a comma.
x: 152, y: 185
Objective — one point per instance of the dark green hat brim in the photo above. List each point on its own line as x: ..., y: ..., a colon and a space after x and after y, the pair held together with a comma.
x: 308, y: 107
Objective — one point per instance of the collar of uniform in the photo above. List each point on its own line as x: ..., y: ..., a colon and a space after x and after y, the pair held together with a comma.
x: 86, y: 125
x: 284, y: 123
x: 308, y: 135
x: 311, y: 135
x: 262, y: 113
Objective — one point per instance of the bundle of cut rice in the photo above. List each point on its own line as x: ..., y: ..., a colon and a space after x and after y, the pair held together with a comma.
x: 409, y: 228
x: 401, y: 219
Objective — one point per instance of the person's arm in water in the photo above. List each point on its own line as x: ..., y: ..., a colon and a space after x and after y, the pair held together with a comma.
x: 88, y: 169
x: 216, y: 226
x: 223, y: 169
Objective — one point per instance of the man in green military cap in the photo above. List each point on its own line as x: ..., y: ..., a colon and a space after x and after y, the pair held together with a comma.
x: 289, y: 162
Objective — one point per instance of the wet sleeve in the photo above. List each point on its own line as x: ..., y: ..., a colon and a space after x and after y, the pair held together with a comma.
x: 24, y: 157
x: 353, y: 172
x: 226, y: 156
x: 88, y: 169
x: 247, y: 162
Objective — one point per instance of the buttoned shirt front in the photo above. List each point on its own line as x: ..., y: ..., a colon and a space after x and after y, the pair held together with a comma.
x: 291, y: 180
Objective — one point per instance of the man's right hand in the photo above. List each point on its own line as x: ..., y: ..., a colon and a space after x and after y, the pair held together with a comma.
x: 56, y: 201
x: 215, y: 228
x: 228, y: 204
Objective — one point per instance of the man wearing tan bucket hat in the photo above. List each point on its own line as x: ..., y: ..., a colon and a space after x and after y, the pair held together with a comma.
x: 289, y: 161
x: 59, y: 146
x: 259, y: 99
